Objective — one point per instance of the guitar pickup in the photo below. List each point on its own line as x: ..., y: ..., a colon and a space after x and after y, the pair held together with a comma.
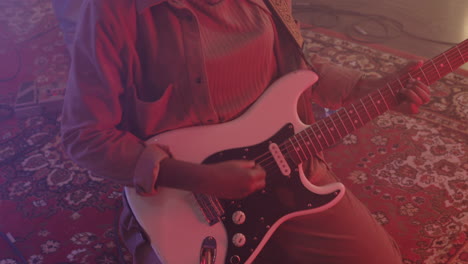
x: 279, y: 159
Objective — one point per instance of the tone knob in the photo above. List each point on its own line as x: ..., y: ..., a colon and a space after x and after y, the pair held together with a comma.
x: 238, y: 217
x: 239, y: 240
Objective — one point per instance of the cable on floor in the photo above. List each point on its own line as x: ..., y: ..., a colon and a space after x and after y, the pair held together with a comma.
x: 389, y: 28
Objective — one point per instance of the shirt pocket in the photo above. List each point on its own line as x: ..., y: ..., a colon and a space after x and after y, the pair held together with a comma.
x: 152, y: 117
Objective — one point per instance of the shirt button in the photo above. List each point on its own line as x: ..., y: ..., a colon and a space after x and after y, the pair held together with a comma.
x: 198, y: 80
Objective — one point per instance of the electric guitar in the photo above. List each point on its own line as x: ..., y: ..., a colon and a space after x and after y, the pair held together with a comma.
x: 189, y: 228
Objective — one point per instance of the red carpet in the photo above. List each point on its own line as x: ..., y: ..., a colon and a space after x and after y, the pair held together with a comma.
x: 410, y: 171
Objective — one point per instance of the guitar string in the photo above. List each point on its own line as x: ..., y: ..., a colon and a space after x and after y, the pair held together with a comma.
x: 431, y: 70
x: 316, y: 125
x: 288, y: 147
x: 451, y: 54
x: 427, y: 68
x: 329, y: 123
x: 383, y: 93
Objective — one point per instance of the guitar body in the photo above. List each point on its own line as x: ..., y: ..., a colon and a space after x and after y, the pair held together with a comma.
x: 172, y: 218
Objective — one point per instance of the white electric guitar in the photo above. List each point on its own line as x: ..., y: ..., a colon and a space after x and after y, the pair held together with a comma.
x: 188, y: 228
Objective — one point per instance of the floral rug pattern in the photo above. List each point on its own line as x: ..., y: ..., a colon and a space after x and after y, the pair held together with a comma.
x: 410, y: 171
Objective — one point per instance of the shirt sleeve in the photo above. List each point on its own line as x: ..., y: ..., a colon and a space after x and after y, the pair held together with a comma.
x: 93, y: 108
x: 335, y: 82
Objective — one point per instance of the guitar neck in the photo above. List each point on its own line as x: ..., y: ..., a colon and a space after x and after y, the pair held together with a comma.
x: 326, y: 132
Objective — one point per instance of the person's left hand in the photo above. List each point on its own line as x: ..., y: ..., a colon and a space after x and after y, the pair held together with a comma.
x: 414, y: 94
x: 411, y: 97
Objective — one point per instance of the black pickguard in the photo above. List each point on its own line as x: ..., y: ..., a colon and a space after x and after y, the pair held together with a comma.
x: 283, y: 195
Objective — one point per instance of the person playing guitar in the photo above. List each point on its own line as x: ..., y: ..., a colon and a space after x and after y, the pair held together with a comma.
x: 199, y: 108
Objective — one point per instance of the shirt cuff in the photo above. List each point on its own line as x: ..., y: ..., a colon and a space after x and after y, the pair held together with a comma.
x: 147, y: 168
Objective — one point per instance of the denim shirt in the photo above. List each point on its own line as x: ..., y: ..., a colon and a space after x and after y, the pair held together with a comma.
x: 138, y: 69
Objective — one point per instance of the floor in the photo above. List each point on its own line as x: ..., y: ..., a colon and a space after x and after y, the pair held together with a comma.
x: 419, y: 26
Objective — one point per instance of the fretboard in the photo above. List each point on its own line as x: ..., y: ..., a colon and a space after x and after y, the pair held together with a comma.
x: 326, y: 132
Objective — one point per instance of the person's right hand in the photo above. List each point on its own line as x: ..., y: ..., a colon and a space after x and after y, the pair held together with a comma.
x: 234, y: 179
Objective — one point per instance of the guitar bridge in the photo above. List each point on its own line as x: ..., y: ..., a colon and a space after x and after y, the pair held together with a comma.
x: 210, y: 207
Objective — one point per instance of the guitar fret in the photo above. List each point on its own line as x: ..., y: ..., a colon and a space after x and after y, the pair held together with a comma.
x: 298, y: 149
x: 337, y: 130
x: 359, y: 116
x: 425, y: 77
x: 383, y: 98
x: 288, y: 149
x: 333, y: 129
x: 411, y: 77
x: 329, y: 132
x: 307, y: 143
x: 352, y: 121
x: 391, y: 90
x: 341, y: 120
x: 317, y: 137
x: 375, y: 111
x: 293, y: 155
x: 461, y: 55
x: 372, y: 100
x: 401, y: 84
x: 326, y: 141
x: 441, y: 62
x: 381, y: 102
x: 312, y: 141
x: 448, y: 62
x: 365, y: 108
x: 435, y: 66
x: 300, y: 146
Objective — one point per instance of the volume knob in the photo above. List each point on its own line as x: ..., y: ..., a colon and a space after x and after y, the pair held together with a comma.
x: 238, y: 217
x: 239, y: 240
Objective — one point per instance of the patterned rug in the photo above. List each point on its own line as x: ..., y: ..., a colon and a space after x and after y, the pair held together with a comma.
x: 410, y: 171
